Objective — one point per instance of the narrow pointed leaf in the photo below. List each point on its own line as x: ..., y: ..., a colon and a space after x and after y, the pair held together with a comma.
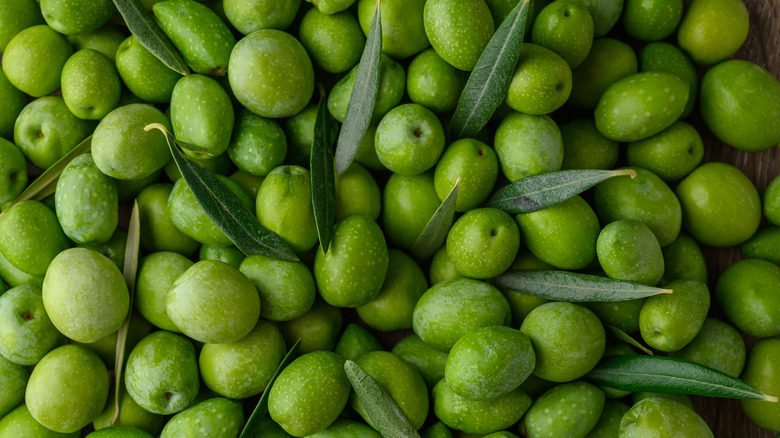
x: 571, y: 287
x: 489, y: 82
x: 435, y: 232
x: 149, y: 34
x: 388, y: 418
x: 45, y: 184
x: 129, y: 271
x: 672, y: 376
x: 224, y: 208
x: 539, y: 191
x: 362, y: 99
x: 261, y: 409
x: 323, y: 176
x: 620, y: 335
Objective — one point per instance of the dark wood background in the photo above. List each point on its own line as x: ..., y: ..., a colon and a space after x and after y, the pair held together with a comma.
x: 724, y: 416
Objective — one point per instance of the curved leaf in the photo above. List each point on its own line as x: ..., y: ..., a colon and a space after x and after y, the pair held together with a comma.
x: 129, y: 271
x: 250, y: 428
x: 387, y: 416
x: 363, y: 97
x: 435, y: 232
x: 538, y: 191
x: 224, y: 208
x: 323, y: 177
x: 488, y: 84
x: 149, y: 34
x: 568, y: 286
x: 672, y: 376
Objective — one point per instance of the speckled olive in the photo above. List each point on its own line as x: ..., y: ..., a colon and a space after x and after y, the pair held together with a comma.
x: 628, y: 250
x: 657, y: 416
x: 215, y: 417
x: 475, y: 163
x: 284, y: 206
x: 85, y: 295
x: 429, y: 361
x: 203, y: 39
x: 201, y: 115
x: 452, y: 308
x: 286, y: 289
x: 87, y: 203
x: 478, y: 417
x: 489, y: 362
x: 483, y: 242
x: 123, y: 150
x: 78, y: 377
x: 458, y: 30
x: 162, y: 373
x: 206, y: 316
x: 392, y: 308
x: 641, y: 105
x: 570, y: 409
x: 568, y: 340
x: 668, y: 322
x: 309, y: 394
x: 351, y: 273
x: 563, y: 235
x: 747, y: 294
x: 720, y: 204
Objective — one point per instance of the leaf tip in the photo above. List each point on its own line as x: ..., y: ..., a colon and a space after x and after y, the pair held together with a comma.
x: 159, y: 126
x: 623, y: 172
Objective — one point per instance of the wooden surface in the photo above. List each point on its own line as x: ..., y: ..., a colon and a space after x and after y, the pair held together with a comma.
x: 725, y: 417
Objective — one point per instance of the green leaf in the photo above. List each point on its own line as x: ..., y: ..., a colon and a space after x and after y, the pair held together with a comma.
x: 250, y: 428
x: 489, y: 82
x: 388, y: 418
x: 323, y: 177
x: 625, y: 337
x: 568, y: 286
x: 539, y: 191
x: 45, y: 184
x: 129, y: 271
x: 435, y: 232
x: 672, y: 376
x: 148, y: 33
x: 363, y: 97
x: 224, y: 208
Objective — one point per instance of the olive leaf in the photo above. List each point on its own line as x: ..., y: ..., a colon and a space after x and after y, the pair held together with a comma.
x: 435, y: 232
x: 363, y: 97
x: 489, y: 82
x: 572, y: 287
x: 224, y: 208
x: 672, y: 376
x: 261, y: 409
x: 129, y: 271
x: 539, y: 191
x: 388, y: 418
x: 625, y: 337
x: 45, y: 184
x: 149, y: 34
x: 323, y: 177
